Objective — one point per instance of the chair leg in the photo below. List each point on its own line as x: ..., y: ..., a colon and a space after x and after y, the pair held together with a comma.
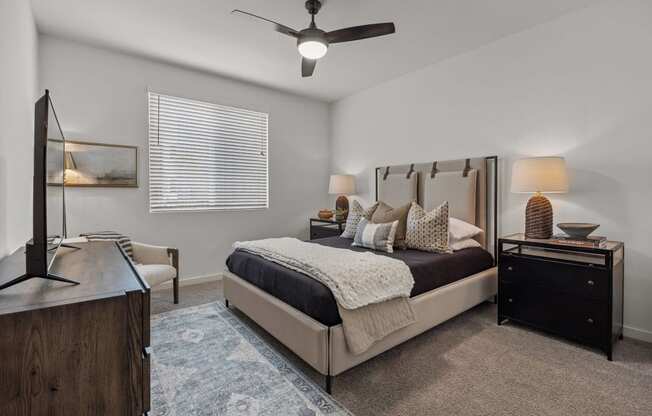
x: 175, y: 288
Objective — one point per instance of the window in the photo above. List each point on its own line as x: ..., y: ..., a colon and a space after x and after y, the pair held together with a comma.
x: 205, y: 156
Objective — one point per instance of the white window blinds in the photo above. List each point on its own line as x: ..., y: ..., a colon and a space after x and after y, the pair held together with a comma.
x: 204, y: 156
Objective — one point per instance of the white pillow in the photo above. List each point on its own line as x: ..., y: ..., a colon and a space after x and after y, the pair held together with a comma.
x: 461, y: 230
x: 462, y: 244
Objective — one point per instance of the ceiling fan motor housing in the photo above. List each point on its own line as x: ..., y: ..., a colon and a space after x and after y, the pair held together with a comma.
x: 312, y: 43
x: 312, y: 33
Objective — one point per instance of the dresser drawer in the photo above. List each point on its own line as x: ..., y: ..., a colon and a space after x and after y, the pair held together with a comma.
x: 587, y: 281
x: 323, y: 232
x: 579, y: 319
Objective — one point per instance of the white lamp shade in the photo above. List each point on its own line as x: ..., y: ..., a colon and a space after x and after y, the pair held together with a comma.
x: 342, y: 185
x: 540, y: 174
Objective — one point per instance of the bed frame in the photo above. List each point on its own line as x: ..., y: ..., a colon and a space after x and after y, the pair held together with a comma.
x: 324, y: 347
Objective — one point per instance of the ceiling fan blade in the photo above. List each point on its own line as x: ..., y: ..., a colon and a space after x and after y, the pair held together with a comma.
x: 307, y: 67
x: 277, y: 26
x: 360, y: 32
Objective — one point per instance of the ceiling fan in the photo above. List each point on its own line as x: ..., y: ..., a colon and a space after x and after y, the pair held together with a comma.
x: 313, y: 42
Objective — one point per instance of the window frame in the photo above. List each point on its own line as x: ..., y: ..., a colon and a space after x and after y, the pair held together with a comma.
x: 186, y: 100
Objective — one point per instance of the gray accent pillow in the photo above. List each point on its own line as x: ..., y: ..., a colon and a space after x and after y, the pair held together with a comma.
x: 375, y: 236
x: 428, y: 231
x: 356, y: 213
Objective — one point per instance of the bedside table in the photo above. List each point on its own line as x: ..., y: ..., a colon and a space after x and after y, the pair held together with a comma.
x: 325, y: 228
x: 572, y: 291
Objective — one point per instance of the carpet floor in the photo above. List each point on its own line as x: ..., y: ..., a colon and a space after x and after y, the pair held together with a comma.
x: 471, y: 366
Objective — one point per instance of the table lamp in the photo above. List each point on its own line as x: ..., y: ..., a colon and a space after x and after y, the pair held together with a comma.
x: 539, y: 175
x: 342, y: 185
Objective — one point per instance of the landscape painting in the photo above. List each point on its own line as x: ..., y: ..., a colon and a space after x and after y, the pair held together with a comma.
x: 100, y: 165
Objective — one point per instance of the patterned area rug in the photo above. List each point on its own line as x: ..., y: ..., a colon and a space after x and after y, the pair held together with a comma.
x: 205, y: 361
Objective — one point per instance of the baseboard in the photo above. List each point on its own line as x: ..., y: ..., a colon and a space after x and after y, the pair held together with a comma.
x: 636, y: 333
x: 190, y: 281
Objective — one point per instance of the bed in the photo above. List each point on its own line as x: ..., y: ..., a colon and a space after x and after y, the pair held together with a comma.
x: 301, y: 312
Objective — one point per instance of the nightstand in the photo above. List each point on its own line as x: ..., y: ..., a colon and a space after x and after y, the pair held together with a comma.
x: 325, y: 228
x: 572, y: 291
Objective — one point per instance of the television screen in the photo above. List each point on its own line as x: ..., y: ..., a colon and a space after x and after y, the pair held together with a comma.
x: 48, y: 199
x: 55, y: 164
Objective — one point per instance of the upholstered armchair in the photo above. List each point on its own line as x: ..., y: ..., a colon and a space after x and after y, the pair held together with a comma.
x: 157, y: 265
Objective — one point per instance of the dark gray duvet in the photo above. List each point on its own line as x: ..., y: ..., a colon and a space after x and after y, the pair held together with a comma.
x: 311, y: 297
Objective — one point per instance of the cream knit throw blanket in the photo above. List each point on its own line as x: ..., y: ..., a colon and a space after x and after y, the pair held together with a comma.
x: 372, y: 291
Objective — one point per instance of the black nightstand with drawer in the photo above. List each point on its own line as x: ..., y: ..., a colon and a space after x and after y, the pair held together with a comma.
x: 325, y: 228
x: 572, y: 291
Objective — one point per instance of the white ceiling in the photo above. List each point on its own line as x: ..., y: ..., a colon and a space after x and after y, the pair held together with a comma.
x: 202, y: 34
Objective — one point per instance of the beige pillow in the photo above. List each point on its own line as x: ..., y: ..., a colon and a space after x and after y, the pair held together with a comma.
x: 428, y: 231
x: 384, y: 214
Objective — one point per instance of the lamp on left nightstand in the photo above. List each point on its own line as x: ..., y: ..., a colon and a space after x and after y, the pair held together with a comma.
x: 342, y: 185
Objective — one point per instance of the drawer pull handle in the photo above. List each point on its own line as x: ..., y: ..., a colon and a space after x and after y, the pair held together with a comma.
x: 590, y: 283
x: 510, y: 300
x: 510, y: 268
x: 589, y: 321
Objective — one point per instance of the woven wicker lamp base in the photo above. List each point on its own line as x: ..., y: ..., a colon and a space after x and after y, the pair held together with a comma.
x: 342, y: 206
x: 538, y: 217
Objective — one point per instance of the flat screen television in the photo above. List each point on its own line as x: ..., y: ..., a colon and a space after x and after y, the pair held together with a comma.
x: 49, y: 206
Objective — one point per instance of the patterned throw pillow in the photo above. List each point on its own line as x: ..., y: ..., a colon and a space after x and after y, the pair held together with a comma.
x: 123, y: 240
x: 356, y: 213
x: 428, y: 231
x: 375, y: 236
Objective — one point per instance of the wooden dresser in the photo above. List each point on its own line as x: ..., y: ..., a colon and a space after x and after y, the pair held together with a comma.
x: 571, y: 291
x: 75, y: 350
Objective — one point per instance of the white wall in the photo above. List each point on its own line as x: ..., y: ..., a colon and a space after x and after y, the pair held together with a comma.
x: 101, y: 96
x: 18, y: 82
x: 579, y: 86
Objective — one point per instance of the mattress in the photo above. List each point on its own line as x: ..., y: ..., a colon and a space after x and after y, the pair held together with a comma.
x: 430, y: 271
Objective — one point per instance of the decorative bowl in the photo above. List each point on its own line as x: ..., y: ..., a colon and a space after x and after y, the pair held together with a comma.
x: 325, y: 214
x: 579, y: 230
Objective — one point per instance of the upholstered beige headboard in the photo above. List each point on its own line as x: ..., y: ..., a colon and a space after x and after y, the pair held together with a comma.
x: 398, y: 189
x: 469, y: 186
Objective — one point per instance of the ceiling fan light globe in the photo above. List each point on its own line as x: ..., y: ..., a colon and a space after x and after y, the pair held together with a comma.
x: 312, y: 48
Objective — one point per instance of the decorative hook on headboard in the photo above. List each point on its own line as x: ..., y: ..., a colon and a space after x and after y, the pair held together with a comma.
x: 386, y: 173
x: 411, y: 171
x: 434, y: 170
x: 467, y: 168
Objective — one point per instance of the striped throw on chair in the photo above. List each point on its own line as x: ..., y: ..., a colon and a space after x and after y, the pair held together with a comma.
x: 123, y: 240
